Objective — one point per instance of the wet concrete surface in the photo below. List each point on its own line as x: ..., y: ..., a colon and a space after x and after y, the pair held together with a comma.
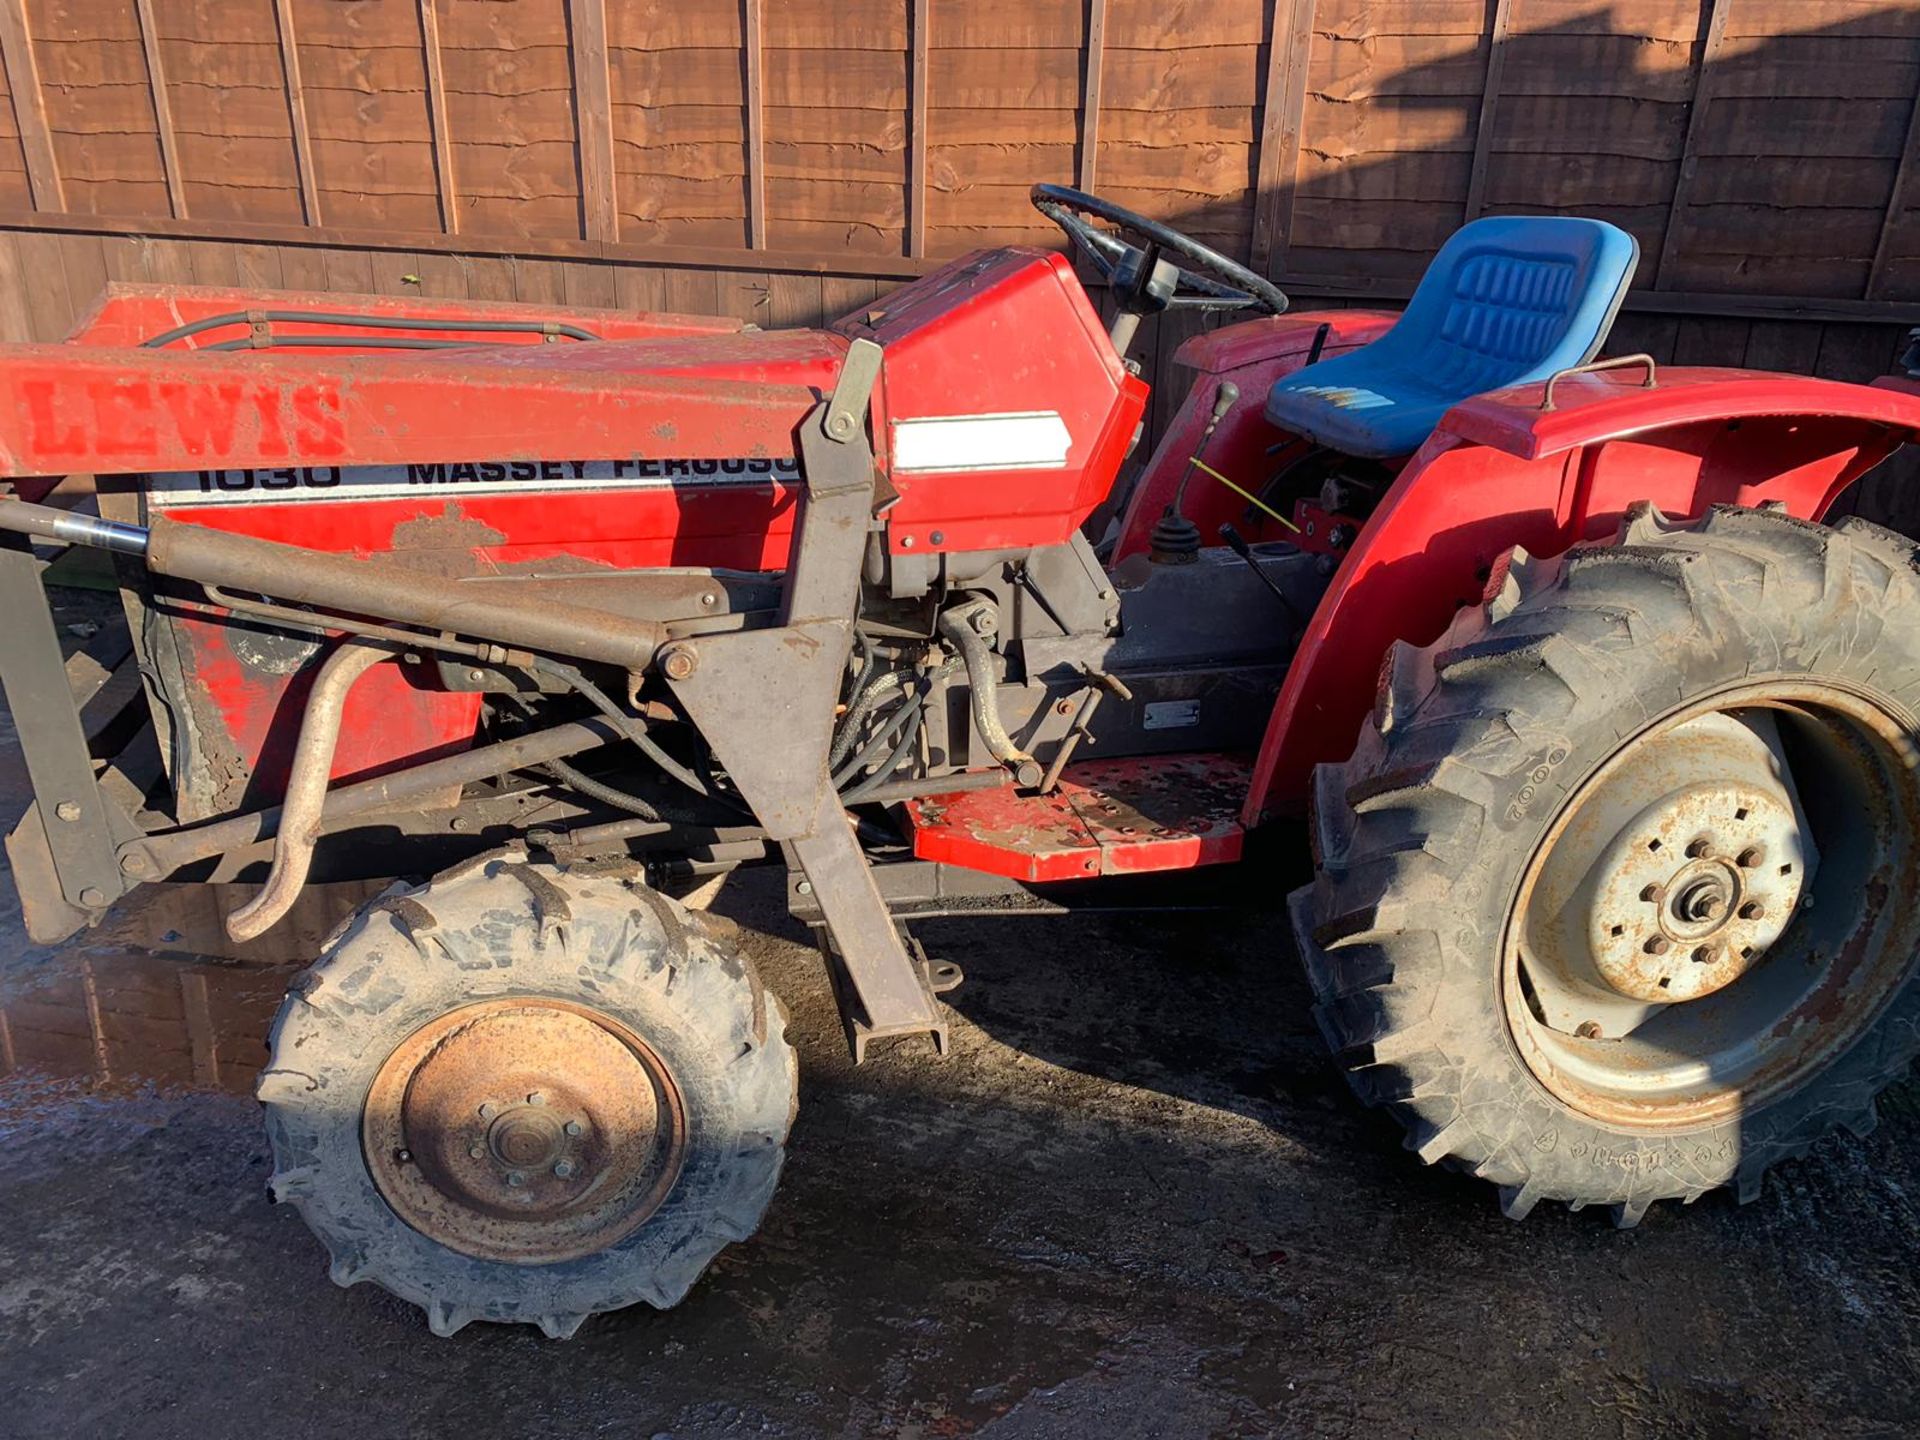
x: 1136, y: 1201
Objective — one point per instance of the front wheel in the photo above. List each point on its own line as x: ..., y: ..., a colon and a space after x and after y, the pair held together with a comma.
x: 1615, y: 897
x: 527, y: 1093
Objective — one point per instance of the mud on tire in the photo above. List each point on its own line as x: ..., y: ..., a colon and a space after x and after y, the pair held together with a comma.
x: 600, y: 942
x: 1477, y: 742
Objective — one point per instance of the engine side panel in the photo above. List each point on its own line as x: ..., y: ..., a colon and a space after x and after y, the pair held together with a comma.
x: 1004, y: 413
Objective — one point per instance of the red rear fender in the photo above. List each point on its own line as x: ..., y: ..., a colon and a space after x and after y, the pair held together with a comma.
x: 1501, y: 472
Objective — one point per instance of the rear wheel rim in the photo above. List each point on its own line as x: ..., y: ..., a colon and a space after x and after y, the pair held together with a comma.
x: 1719, y: 912
x: 525, y: 1129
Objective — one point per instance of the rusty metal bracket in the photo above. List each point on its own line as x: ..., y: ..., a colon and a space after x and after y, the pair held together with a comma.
x: 764, y: 700
x: 82, y: 827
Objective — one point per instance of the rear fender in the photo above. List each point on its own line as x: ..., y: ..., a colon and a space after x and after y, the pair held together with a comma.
x: 1501, y: 472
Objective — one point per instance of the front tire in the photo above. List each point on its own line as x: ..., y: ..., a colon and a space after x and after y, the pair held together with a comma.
x: 528, y: 1093
x: 1502, y: 952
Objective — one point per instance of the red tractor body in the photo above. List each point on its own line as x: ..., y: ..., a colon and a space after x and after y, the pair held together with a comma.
x: 565, y: 610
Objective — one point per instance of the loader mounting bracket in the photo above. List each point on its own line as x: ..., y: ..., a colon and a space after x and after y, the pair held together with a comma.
x: 764, y: 701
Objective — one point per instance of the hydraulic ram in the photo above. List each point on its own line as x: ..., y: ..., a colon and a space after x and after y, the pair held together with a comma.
x: 354, y: 585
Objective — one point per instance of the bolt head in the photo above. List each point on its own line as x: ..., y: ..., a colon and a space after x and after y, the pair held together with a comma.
x: 134, y: 863
x: 1750, y: 857
x: 938, y: 537
x: 405, y: 1157
x: 709, y: 599
x: 906, y: 542
x: 840, y: 424
x: 1654, y: 894
x: 1588, y: 1030
x: 68, y: 811
x: 476, y: 676
x: 679, y: 661
x: 564, y: 1170
x: 805, y: 887
x: 573, y: 1127
x: 1713, y: 907
x: 93, y: 898
x: 516, y: 1179
x: 477, y: 1152
x: 1658, y: 945
x: 536, y: 1098
x: 488, y: 1110
x: 1703, y: 954
x: 1752, y: 910
x: 1699, y: 847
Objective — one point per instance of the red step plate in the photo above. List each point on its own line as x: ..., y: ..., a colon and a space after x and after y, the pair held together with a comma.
x: 1108, y: 817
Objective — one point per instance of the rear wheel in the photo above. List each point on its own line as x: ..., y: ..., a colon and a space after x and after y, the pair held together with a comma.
x: 526, y: 1093
x: 1614, y: 899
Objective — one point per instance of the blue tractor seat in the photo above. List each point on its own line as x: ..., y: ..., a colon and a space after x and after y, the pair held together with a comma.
x: 1509, y: 299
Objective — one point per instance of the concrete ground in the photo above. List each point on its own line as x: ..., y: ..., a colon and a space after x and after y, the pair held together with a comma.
x: 1136, y: 1201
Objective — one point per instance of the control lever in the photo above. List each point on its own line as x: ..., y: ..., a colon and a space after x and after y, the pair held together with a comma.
x: 1237, y: 543
x: 1082, y: 722
x: 1176, y: 539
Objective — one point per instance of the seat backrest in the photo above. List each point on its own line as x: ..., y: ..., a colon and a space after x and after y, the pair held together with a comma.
x: 1512, y: 298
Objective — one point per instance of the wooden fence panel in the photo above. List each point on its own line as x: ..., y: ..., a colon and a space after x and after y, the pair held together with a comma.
x: 1757, y: 148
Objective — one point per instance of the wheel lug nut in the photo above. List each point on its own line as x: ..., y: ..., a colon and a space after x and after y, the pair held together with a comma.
x: 536, y: 1098
x: 478, y: 1152
x: 1752, y: 910
x: 516, y: 1179
x: 1654, y: 894
x: 1713, y: 907
x: 1750, y: 857
x: 572, y: 1127
x: 1702, y: 954
x: 1699, y: 847
x: 564, y: 1169
x: 488, y: 1110
x: 1658, y: 945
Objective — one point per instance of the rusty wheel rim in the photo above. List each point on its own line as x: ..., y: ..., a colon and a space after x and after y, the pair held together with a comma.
x: 526, y: 1130
x: 1706, y: 923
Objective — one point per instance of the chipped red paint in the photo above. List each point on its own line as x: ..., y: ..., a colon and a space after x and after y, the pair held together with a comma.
x: 1005, y: 332
x: 1109, y: 817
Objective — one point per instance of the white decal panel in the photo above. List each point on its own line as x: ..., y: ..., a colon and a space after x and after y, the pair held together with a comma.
x: 308, y: 483
x: 1031, y: 440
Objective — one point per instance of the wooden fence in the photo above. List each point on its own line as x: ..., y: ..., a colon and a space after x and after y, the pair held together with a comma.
x: 1760, y: 149
x: 786, y: 160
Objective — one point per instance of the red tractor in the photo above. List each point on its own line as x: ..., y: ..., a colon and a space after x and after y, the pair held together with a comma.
x: 1606, y: 742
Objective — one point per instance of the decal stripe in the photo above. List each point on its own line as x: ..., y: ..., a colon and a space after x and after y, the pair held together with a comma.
x: 307, y: 484
x: 1029, y: 440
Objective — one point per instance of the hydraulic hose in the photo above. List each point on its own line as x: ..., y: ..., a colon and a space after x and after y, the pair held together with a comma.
x: 956, y: 627
x: 632, y: 726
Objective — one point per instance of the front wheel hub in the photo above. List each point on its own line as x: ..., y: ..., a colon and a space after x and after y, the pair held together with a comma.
x: 526, y: 1130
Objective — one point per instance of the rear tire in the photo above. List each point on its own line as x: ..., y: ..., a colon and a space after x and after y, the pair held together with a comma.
x: 526, y: 1093
x: 1447, y: 999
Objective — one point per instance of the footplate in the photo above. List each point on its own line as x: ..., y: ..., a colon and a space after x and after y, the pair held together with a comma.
x: 1108, y: 817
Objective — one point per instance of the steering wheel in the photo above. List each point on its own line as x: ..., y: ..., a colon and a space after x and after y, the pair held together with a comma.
x: 1132, y: 266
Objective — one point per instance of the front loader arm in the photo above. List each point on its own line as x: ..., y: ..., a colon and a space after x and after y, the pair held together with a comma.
x: 763, y: 698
